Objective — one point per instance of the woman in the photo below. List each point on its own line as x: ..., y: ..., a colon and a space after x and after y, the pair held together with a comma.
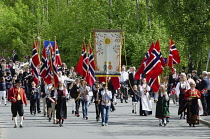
x: 145, y: 102
x: 61, y: 108
x: 3, y: 90
x: 191, y: 96
x: 162, y: 107
x: 84, y: 90
x: 181, y: 88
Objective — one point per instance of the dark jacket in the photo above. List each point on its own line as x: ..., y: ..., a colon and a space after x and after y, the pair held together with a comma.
x: 34, y: 93
x: 136, y: 95
x: 2, y: 86
x: 203, y: 85
x: 132, y: 81
x: 74, y: 92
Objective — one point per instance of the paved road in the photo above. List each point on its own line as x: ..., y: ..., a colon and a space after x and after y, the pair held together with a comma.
x: 122, y: 125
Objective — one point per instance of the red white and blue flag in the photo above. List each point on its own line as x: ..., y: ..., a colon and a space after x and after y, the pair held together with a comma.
x: 53, y: 68
x: 154, y: 84
x: 34, y: 63
x: 155, y: 63
x: 173, y: 57
x: 57, y: 56
x: 90, y: 75
x: 141, y: 69
x: 43, y: 69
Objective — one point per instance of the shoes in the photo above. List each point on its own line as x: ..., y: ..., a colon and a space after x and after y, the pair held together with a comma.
x: 5, y: 104
x: 193, y: 125
x: 180, y: 116
x: 49, y: 119
x: 164, y: 124
x: 126, y: 101
x: 72, y: 112
x: 160, y: 124
x: 115, y: 103
x: 21, y: 126
x: 102, y: 124
x: 61, y: 125
x: 135, y: 112
x: 39, y: 111
x: 97, y: 119
x: 204, y: 115
x: 86, y: 118
x: 190, y: 125
x: 106, y: 124
x: 132, y: 111
x: 15, y: 126
x: 44, y: 115
x: 77, y: 115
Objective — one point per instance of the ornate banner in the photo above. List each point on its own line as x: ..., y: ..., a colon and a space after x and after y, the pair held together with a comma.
x: 107, y: 44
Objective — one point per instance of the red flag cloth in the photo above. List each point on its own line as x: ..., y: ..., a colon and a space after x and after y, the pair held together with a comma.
x: 154, y: 84
x: 48, y: 77
x: 141, y: 69
x: 154, y: 66
x: 173, y: 57
x: 90, y: 78
x: 115, y: 82
x: 57, y: 56
x: 79, y: 67
x: 34, y: 63
x: 43, y: 69
x: 102, y: 79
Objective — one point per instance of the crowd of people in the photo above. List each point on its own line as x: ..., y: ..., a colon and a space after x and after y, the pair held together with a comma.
x: 183, y: 89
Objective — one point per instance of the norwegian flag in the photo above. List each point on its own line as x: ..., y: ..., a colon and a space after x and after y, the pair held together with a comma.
x: 57, y: 56
x: 141, y: 69
x: 85, y: 65
x: 48, y: 77
x: 154, y: 65
x: 43, y: 69
x: 90, y: 78
x: 173, y: 57
x: 34, y: 63
x: 79, y: 67
x: 53, y: 69
x: 154, y: 84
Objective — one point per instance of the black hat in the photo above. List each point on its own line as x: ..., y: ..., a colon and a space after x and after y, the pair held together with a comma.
x: 183, y: 68
x: 17, y: 80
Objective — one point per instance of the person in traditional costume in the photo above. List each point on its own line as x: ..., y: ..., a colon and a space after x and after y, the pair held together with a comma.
x: 145, y: 102
x: 192, y: 96
x: 61, y: 108
x: 162, y: 107
x: 17, y: 96
x: 181, y: 88
x: 135, y: 94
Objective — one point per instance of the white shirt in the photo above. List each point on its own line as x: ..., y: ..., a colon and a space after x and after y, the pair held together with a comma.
x: 144, y: 87
x: 85, y: 93
x: 124, y: 76
x: 106, y: 97
x: 184, y: 85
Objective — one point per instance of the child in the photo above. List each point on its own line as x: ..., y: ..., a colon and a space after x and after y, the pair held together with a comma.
x: 34, y: 96
x: 162, y: 108
x: 135, y: 98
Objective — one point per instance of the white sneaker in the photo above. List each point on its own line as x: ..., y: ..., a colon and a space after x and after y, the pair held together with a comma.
x: 106, y: 124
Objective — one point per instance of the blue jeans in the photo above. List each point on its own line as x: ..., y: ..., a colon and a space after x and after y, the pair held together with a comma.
x: 105, y: 114
x: 85, y: 108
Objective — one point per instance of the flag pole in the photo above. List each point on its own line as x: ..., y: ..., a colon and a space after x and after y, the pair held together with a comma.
x: 52, y: 64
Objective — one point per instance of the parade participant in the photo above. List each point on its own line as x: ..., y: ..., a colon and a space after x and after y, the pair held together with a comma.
x: 131, y: 79
x: 61, y: 108
x: 84, y: 90
x: 43, y: 96
x: 181, y: 88
x: 17, y: 97
x: 96, y: 96
x: 111, y: 88
x: 50, y: 100
x: 208, y: 97
x: 173, y: 80
x: 14, y: 57
x: 8, y: 81
x: 162, y: 107
x: 123, y: 88
x: 72, y: 100
x: 76, y: 95
x: 135, y: 94
x: 34, y: 99
x: 145, y: 102
x: 194, y: 75
x: 106, y: 97
x: 3, y: 90
x: 191, y: 96
x: 204, y: 93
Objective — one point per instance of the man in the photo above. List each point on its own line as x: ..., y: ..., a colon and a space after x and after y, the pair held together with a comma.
x: 195, y: 78
x: 17, y: 97
x: 96, y: 96
x: 74, y: 93
x: 123, y: 88
x: 204, y: 94
x: 132, y: 81
x: 15, y: 56
x: 208, y: 96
